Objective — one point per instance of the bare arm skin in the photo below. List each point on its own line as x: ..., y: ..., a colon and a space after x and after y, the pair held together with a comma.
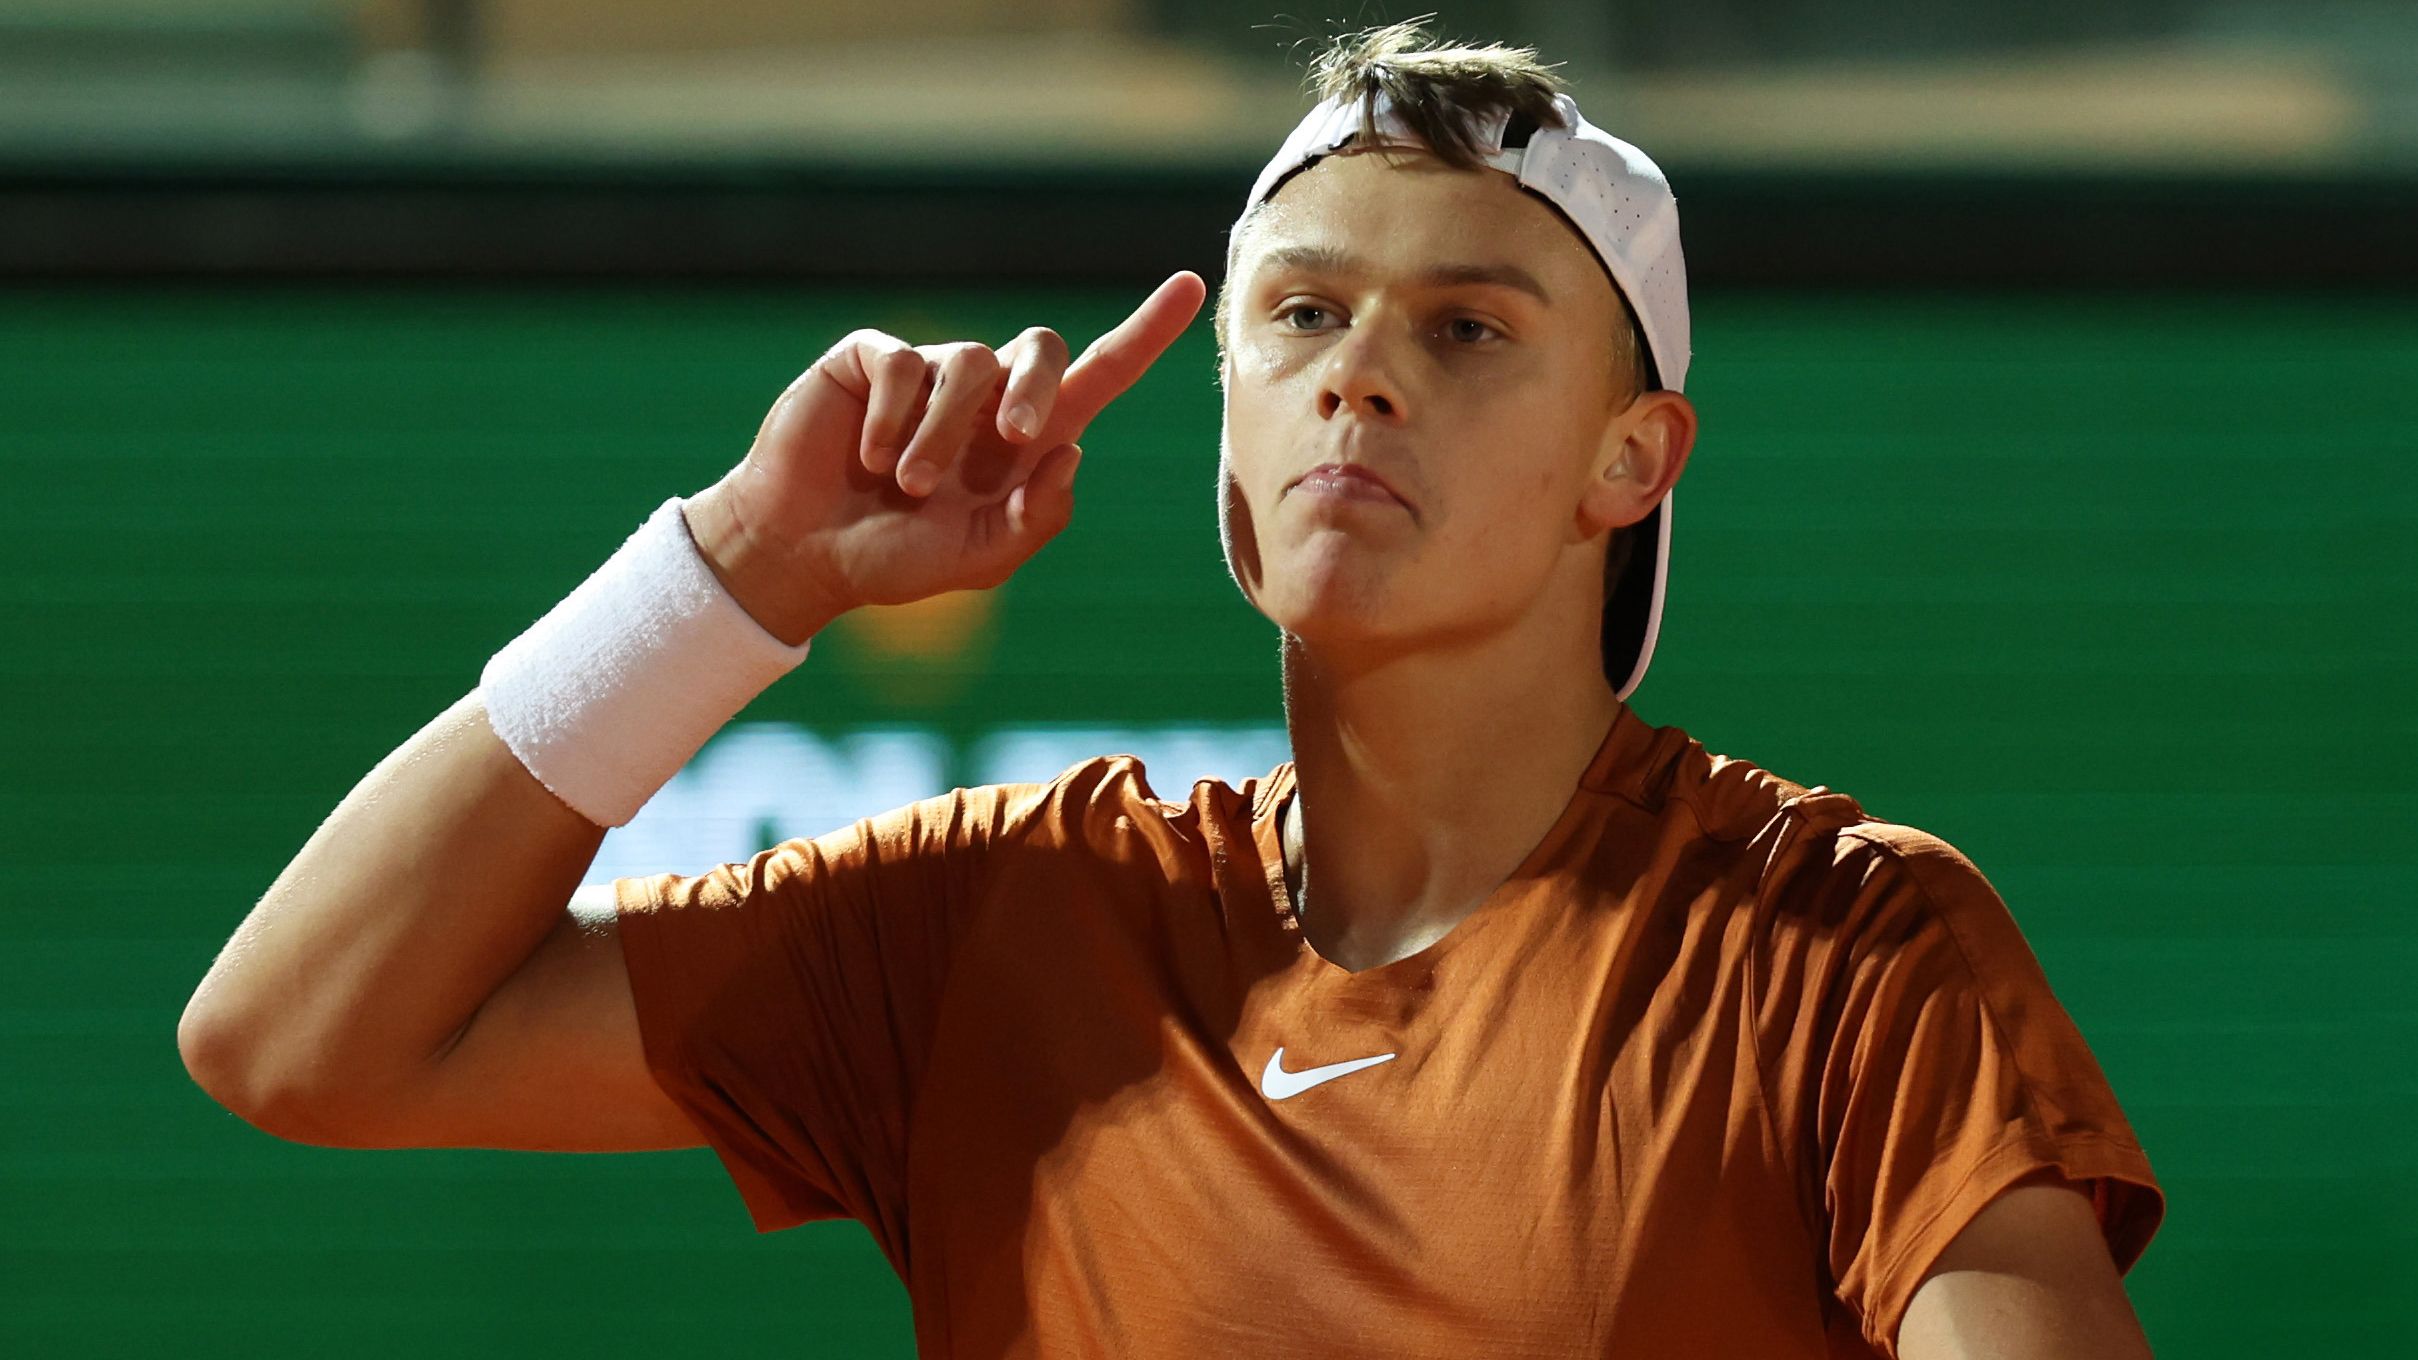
x: 437, y: 888
x: 2030, y: 1278
x: 421, y: 974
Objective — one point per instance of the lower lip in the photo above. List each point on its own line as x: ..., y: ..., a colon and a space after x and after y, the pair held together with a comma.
x: 1345, y: 486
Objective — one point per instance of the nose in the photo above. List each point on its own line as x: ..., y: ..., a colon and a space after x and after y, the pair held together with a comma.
x: 1360, y: 375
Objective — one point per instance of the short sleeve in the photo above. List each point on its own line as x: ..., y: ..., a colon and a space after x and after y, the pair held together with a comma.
x: 1929, y: 1066
x: 787, y: 1002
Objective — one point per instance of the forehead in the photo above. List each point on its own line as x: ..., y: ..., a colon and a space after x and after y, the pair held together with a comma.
x: 1405, y: 211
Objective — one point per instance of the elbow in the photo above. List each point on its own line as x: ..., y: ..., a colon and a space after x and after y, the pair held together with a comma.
x: 224, y: 1065
x: 205, y: 1050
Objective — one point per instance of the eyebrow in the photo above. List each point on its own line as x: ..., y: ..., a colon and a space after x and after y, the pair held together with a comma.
x: 1329, y: 260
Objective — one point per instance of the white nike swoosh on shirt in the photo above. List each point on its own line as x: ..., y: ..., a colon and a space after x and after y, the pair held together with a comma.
x: 1276, y: 1083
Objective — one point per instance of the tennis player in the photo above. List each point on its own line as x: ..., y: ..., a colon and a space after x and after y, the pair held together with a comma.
x: 1499, y: 1021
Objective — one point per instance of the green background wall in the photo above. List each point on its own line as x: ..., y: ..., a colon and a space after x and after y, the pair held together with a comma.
x: 2113, y: 592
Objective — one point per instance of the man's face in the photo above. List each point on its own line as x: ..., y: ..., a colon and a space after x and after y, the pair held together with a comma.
x: 1492, y: 412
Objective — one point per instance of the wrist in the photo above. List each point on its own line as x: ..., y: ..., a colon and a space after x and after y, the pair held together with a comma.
x: 765, y: 582
x: 615, y: 688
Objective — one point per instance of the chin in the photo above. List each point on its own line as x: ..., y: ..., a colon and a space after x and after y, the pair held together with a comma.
x: 1324, y: 597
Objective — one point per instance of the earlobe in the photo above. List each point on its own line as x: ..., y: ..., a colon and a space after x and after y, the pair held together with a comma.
x: 1607, y: 496
x: 1644, y: 451
x: 1613, y: 490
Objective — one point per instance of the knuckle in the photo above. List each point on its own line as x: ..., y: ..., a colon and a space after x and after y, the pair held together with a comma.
x: 972, y: 359
x: 881, y: 342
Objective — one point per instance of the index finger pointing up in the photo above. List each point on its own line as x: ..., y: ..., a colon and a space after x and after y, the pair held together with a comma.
x: 1116, y: 360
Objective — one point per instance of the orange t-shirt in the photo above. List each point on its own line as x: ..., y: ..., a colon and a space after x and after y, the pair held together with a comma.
x: 1718, y: 1071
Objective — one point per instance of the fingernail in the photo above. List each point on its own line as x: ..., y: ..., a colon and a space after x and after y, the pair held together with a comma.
x: 1020, y: 416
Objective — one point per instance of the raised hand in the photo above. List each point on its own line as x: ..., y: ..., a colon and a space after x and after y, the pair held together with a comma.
x: 889, y: 472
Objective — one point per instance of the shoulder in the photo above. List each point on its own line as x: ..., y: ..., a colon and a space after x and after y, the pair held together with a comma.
x: 1874, y: 882
x: 1763, y: 833
x: 1879, y: 923
x: 1724, y: 798
x: 1825, y: 875
x: 1106, y: 802
x: 1923, y: 867
x: 1800, y: 836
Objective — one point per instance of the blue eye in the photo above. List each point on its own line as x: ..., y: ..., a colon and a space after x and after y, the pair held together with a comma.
x: 1295, y: 310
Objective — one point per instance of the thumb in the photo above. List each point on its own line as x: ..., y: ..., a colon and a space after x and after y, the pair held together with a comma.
x: 1037, y: 510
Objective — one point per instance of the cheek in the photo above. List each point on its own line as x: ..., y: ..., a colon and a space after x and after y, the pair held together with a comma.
x: 1237, y: 531
x: 1508, y: 516
x: 1253, y: 446
x: 1258, y: 364
x: 1539, y: 459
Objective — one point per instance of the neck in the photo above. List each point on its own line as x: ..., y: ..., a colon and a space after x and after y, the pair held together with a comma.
x: 1423, y: 778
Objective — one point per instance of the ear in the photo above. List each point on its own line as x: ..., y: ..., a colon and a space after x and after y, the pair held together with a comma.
x: 1642, y: 453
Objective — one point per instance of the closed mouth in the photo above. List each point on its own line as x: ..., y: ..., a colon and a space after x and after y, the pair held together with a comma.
x: 1355, y: 471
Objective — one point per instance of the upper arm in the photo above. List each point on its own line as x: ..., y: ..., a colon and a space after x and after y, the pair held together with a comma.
x: 552, y: 1062
x: 2030, y: 1278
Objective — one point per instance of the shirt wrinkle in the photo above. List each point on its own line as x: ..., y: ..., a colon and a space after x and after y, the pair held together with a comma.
x: 1067, y: 1049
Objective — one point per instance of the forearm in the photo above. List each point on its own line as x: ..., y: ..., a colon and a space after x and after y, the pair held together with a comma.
x: 448, y: 867
x: 430, y: 883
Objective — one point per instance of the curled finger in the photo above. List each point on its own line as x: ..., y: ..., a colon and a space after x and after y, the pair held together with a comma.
x: 899, y: 380
x: 1031, y: 394
x: 1043, y: 505
x: 965, y: 376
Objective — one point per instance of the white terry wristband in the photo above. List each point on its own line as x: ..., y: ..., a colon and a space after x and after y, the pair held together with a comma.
x: 608, y: 695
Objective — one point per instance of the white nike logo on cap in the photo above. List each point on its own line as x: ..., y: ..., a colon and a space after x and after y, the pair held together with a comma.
x: 1276, y: 1083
